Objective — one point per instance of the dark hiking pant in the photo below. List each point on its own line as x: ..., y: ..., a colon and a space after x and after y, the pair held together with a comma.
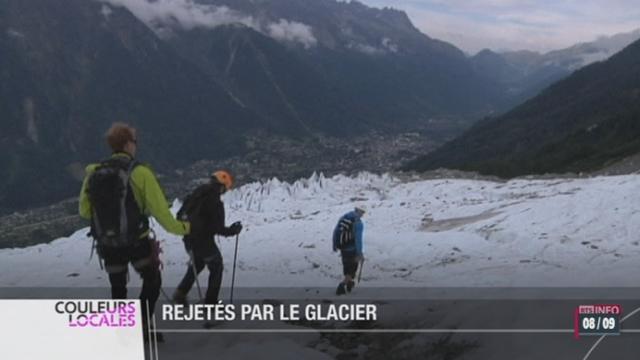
x: 116, y: 263
x: 214, y: 263
x: 349, y: 264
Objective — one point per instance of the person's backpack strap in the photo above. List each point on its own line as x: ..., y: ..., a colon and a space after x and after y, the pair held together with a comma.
x: 125, y: 177
x: 347, y: 229
x: 124, y: 229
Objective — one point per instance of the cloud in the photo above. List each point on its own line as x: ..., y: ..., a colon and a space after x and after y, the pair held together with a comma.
x: 540, y: 25
x: 389, y: 45
x: 163, y: 16
x: 14, y: 33
x: 365, y: 49
x: 106, y: 11
x: 183, y: 13
x: 292, y: 31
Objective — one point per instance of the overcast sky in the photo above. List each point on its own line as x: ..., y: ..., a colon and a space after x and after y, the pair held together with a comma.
x: 540, y: 25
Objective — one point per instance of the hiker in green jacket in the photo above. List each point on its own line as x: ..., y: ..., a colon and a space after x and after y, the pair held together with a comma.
x: 118, y: 195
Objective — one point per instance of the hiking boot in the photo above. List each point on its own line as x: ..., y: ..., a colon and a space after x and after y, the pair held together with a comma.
x: 179, y: 297
x: 350, y: 285
x: 340, y: 290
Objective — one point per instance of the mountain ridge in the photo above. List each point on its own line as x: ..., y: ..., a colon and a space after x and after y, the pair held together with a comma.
x: 525, y: 73
x: 578, y: 124
x: 200, y: 81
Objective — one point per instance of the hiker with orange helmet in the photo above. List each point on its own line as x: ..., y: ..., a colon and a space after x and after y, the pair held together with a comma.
x: 205, y: 211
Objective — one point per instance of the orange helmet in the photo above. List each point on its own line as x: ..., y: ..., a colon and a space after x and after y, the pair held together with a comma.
x: 224, y: 178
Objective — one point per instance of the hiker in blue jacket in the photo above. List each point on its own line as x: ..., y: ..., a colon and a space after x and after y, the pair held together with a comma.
x: 347, y: 237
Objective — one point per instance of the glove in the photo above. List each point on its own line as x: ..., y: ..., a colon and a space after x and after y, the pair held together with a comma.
x: 360, y: 258
x: 236, y: 227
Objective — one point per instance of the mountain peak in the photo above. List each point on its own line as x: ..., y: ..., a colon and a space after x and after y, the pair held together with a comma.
x: 487, y: 53
x: 398, y: 17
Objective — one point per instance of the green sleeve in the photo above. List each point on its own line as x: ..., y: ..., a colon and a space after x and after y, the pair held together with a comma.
x: 152, y: 200
x: 84, y: 205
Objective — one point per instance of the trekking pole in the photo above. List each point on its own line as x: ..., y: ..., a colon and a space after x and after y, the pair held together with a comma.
x: 233, y: 276
x: 164, y: 293
x: 195, y: 274
x: 360, y: 272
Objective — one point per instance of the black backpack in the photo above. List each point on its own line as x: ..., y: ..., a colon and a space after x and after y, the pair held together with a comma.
x: 116, y: 220
x: 346, y: 233
x: 193, y: 205
x: 194, y: 210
